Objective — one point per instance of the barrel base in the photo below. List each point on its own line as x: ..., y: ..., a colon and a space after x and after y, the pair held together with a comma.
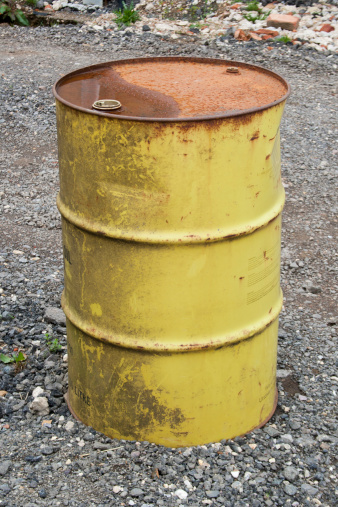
x: 173, y: 399
x: 261, y: 425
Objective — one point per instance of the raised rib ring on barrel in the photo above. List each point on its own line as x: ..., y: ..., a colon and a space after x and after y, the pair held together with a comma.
x: 171, y: 228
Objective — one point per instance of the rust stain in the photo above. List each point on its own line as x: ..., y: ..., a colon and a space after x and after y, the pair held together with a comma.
x: 181, y: 433
x: 265, y: 256
x: 255, y: 136
x: 172, y: 88
x: 187, y: 81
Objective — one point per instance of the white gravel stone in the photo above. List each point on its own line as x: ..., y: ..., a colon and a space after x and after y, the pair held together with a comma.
x: 37, y: 391
x: 69, y: 425
x: 181, y: 494
x: 39, y: 406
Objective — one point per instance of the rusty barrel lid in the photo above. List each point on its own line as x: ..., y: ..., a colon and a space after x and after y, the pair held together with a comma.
x: 171, y: 89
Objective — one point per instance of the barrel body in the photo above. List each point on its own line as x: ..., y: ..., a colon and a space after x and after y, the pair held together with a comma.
x: 171, y: 238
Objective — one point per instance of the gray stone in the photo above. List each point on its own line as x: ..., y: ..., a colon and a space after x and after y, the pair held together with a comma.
x: 309, y: 490
x: 49, y: 365
x: 18, y: 405
x: 315, y: 290
x: 6, y: 315
x: 5, y: 488
x: 136, y: 492
x: 271, y: 431
x: 99, y: 3
x: 55, y: 316
x: 287, y: 438
x: 47, y: 450
x: 290, y: 473
x: 236, y: 485
x: 281, y: 374
x: 290, y: 489
x: 101, y: 447
x: 305, y: 441
x: 4, y: 467
x: 295, y: 425
x: 212, y: 493
x: 77, y: 7
x: 327, y: 438
x: 42, y: 493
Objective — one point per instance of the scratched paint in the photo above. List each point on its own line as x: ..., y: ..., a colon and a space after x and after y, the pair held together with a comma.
x: 171, y: 233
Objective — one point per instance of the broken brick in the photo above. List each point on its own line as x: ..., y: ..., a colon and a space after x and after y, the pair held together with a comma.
x: 327, y: 28
x: 241, y: 35
x: 284, y: 21
x: 265, y: 31
x: 254, y: 36
x: 267, y: 37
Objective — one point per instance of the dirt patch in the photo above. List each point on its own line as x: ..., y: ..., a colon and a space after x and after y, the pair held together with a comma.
x: 291, y: 386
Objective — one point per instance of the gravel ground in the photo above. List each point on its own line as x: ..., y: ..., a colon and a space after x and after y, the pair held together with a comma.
x: 46, y: 457
x: 316, y: 23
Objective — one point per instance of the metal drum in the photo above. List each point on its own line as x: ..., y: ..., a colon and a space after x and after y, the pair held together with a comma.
x: 171, y: 200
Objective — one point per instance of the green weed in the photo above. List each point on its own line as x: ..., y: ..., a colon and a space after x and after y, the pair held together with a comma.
x: 14, y: 358
x: 53, y: 344
x: 196, y: 12
x: 9, y: 11
x: 195, y: 25
x: 126, y: 16
x: 283, y: 38
x: 10, y: 316
x: 253, y: 6
x: 258, y: 17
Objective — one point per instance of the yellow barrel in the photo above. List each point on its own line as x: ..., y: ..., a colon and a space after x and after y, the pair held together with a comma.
x: 171, y: 216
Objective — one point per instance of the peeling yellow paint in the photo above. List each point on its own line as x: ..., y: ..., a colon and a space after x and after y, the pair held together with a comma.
x: 96, y: 309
